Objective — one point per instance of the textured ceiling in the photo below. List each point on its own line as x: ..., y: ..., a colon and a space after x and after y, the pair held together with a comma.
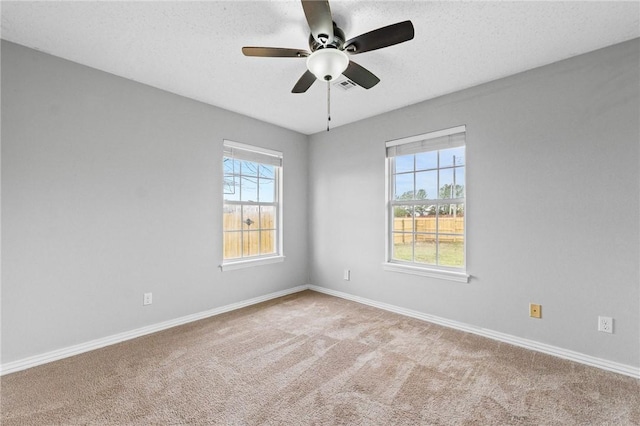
x: 194, y: 48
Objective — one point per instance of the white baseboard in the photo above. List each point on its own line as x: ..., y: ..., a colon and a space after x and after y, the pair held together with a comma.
x: 604, y: 364
x: 23, y: 364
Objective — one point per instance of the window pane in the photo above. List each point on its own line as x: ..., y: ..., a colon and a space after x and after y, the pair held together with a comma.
x: 458, y: 175
x: 250, y: 243
x: 451, y: 250
x: 249, y: 190
x: 232, y: 245
x: 425, y: 210
x: 403, y: 219
x: 427, y: 160
x: 427, y: 185
x: 404, y: 186
x: 404, y: 163
x: 425, y: 251
x: 446, y: 183
x: 232, y: 218
x: 267, y: 171
x: 248, y: 168
x: 425, y: 223
x: 267, y: 190
x: 250, y: 217
x: 402, y: 246
x: 452, y: 157
x: 231, y: 166
x: 231, y: 187
x: 267, y: 242
x: 447, y: 219
x: 445, y: 210
x: 457, y: 218
x: 267, y: 217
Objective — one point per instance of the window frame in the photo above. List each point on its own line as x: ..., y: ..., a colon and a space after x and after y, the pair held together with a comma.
x: 253, y: 154
x: 425, y: 142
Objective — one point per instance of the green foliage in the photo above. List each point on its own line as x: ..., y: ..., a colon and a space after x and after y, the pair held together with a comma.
x: 447, y: 189
x: 446, y: 193
x: 422, y: 210
x: 405, y: 211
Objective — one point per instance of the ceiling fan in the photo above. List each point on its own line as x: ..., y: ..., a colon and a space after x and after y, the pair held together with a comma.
x: 327, y: 59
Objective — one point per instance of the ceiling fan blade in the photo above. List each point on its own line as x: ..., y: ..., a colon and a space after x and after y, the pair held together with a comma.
x: 382, y: 37
x: 360, y: 75
x: 304, y: 83
x: 318, y: 14
x: 274, y: 52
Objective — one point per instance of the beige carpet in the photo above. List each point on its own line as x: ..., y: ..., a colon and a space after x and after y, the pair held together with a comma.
x: 313, y: 359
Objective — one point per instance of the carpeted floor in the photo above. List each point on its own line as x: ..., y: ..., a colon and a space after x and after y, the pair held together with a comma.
x: 313, y: 359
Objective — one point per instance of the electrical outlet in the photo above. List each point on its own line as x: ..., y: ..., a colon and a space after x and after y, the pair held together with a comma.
x: 605, y: 324
x: 347, y: 275
x: 535, y: 311
x: 147, y: 299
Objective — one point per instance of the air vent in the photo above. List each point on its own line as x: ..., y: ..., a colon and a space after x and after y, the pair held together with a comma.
x: 345, y: 84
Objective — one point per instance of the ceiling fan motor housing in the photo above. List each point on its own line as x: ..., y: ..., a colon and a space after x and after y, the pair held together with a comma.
x: 337, y: 41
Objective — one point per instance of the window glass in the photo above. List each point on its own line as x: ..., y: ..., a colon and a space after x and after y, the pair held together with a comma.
x: 267, y: 188
x: 249, y: 168
x: 267, y: 242
x: 267, y: 171
x: 251, y: 206
x: 427, y: 203
x: 427, y: 182
x: 232, y: 218
x: 248, y: 188
x: 267, y: 217
x: 403, y: 246
x: 232, y: 245
x: 427, y: 160
x: 404, y: 163
x: 452, y: 157
x: 425, y: 250
x: 446, y: 183
x: 404, y: 186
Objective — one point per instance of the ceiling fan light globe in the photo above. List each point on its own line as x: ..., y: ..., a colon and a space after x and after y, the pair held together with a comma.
x: 328, y: 63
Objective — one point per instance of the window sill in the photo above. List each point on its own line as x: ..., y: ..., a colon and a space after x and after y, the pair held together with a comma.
x: 462, y: 277
x: 250, y: 263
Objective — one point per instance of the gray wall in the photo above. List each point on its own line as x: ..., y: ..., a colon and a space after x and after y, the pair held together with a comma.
x: 553, y: 205
x: 111, y: 189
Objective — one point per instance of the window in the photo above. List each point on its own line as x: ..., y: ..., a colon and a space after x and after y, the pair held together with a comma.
x: 252, y: 205
x: 426, y: 202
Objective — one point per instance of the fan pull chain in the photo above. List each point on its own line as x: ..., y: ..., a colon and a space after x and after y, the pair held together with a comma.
x: 328, y: 103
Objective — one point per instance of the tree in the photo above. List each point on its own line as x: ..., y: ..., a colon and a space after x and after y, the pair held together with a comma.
x: 405, y: 211
x: 445, y: 193
x: 446, y: 189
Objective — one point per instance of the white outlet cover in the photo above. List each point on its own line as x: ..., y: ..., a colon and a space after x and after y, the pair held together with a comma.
x: 605, y: 324
x: 147, y: 299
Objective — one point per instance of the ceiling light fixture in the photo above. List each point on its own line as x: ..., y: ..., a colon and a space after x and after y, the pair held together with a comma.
x: 327, y: 64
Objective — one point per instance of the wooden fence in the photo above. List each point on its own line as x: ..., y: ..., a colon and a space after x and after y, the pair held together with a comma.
x: 242, y: 240
x: 404, y: 226
x: 255, y: 240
